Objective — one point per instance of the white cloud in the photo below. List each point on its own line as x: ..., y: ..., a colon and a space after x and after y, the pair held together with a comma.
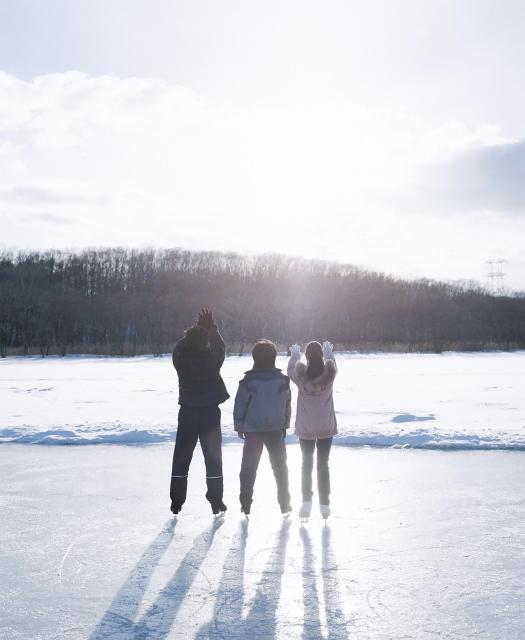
x: 486, y: 178
x: 139, y: 161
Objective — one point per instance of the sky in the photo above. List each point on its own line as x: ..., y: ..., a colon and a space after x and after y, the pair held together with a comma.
x: 389, y: 135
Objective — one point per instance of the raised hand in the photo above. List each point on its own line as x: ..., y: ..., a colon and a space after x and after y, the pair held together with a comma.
x: 295, y: 351
x: 328, y: 349
x: 205, y: 318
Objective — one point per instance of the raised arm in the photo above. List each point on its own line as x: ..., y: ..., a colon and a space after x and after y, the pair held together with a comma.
x: 217, y: 347
x: 294, y: 359
x: 177, y: 351
x: 329, y: 354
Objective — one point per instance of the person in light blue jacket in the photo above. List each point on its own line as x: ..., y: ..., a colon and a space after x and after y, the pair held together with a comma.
x: 261, y: 417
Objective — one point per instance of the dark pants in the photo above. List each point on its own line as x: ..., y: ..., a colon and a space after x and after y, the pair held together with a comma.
x: 323, y: 473
x: 251, y: 455
x: 202, y: 424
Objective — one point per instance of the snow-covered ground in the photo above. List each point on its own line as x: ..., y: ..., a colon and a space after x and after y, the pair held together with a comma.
x: 421, y: 544
x: 454, y: 400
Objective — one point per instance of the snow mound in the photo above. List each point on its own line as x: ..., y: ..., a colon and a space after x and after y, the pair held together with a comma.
x: 408, y: 417
x: 128, y: 435
x: 423, y: 401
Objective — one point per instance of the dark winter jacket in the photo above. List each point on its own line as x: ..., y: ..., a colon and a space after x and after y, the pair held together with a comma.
x: 263, y: 401
x: 200, y: 382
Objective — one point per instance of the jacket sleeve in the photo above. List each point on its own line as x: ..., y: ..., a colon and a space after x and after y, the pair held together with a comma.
x: 331, y: 363
x: 291, y: 368
x: 177, y: 351
x: 240, y: 408
x: 288, y: 409
x: 217, y: 346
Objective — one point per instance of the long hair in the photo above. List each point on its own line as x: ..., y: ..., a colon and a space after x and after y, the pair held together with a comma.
x: 314, y: 359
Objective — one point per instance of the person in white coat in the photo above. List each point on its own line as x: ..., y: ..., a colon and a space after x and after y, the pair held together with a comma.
x: 315, y: 421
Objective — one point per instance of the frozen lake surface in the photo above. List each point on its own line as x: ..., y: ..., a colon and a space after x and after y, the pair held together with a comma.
x: 420, y: 545
x: 453, y: 400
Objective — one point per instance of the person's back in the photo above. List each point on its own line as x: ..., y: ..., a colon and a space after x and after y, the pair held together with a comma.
x: 261, y: 416
x: 198, y: 358
x: 198, y: 367
x: 315, y: 421
x: 315, y: 416
x: 263, y: 401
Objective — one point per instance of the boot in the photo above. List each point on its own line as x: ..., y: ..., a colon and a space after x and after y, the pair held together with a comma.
x: 305, y: 510
x: 325, y: 510
x: 218, y: 507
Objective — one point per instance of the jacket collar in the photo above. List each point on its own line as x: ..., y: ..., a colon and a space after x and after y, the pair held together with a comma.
x: 263, y: 373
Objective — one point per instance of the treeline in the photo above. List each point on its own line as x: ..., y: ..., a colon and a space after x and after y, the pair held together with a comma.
x: 127, y: 302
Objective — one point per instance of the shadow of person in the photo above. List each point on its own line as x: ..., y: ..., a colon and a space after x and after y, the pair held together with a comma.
x: 311, y: 620
x: 335, y: 616
x: 158, y: 619
x: 227, y: 621
x: 118, y: 621
x: 261, y: 620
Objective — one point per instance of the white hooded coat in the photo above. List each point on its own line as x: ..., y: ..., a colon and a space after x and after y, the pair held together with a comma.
x: 315, y: 416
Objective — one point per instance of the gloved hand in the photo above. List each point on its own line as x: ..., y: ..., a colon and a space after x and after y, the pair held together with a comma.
x: 240, y: 434
x: 295, y: 351
x: 205, y: 319
x: 328, y: 350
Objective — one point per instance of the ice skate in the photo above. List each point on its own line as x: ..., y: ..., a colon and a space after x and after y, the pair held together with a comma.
x: 218, y: 508
x: 325, y: 510
x: 175, y: 507
x: 305, y: 511
x: 286, y: 510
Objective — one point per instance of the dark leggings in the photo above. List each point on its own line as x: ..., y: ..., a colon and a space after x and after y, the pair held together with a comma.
x: 323, y: 473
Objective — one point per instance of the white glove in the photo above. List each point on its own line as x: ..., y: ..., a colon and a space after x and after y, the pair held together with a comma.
x: 328, y: 350
x: 295, y: 351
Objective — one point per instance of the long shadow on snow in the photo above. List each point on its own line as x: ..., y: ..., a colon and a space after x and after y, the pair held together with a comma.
x: 311, y: 619
x: 261, y: 621
x: 118, y: 621
x: 335, y: 616
x: 227, y: 612
x: 156, y: 623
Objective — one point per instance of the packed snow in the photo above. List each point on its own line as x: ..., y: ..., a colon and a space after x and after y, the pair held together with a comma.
x: 420, y: 545
x: 452, y: 400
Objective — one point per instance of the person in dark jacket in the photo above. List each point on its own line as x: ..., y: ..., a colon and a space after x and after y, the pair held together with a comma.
x: 198, y: 358
x: 261, y: 416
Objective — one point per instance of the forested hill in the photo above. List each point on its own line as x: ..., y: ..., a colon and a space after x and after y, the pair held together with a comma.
x: 139, y: 301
